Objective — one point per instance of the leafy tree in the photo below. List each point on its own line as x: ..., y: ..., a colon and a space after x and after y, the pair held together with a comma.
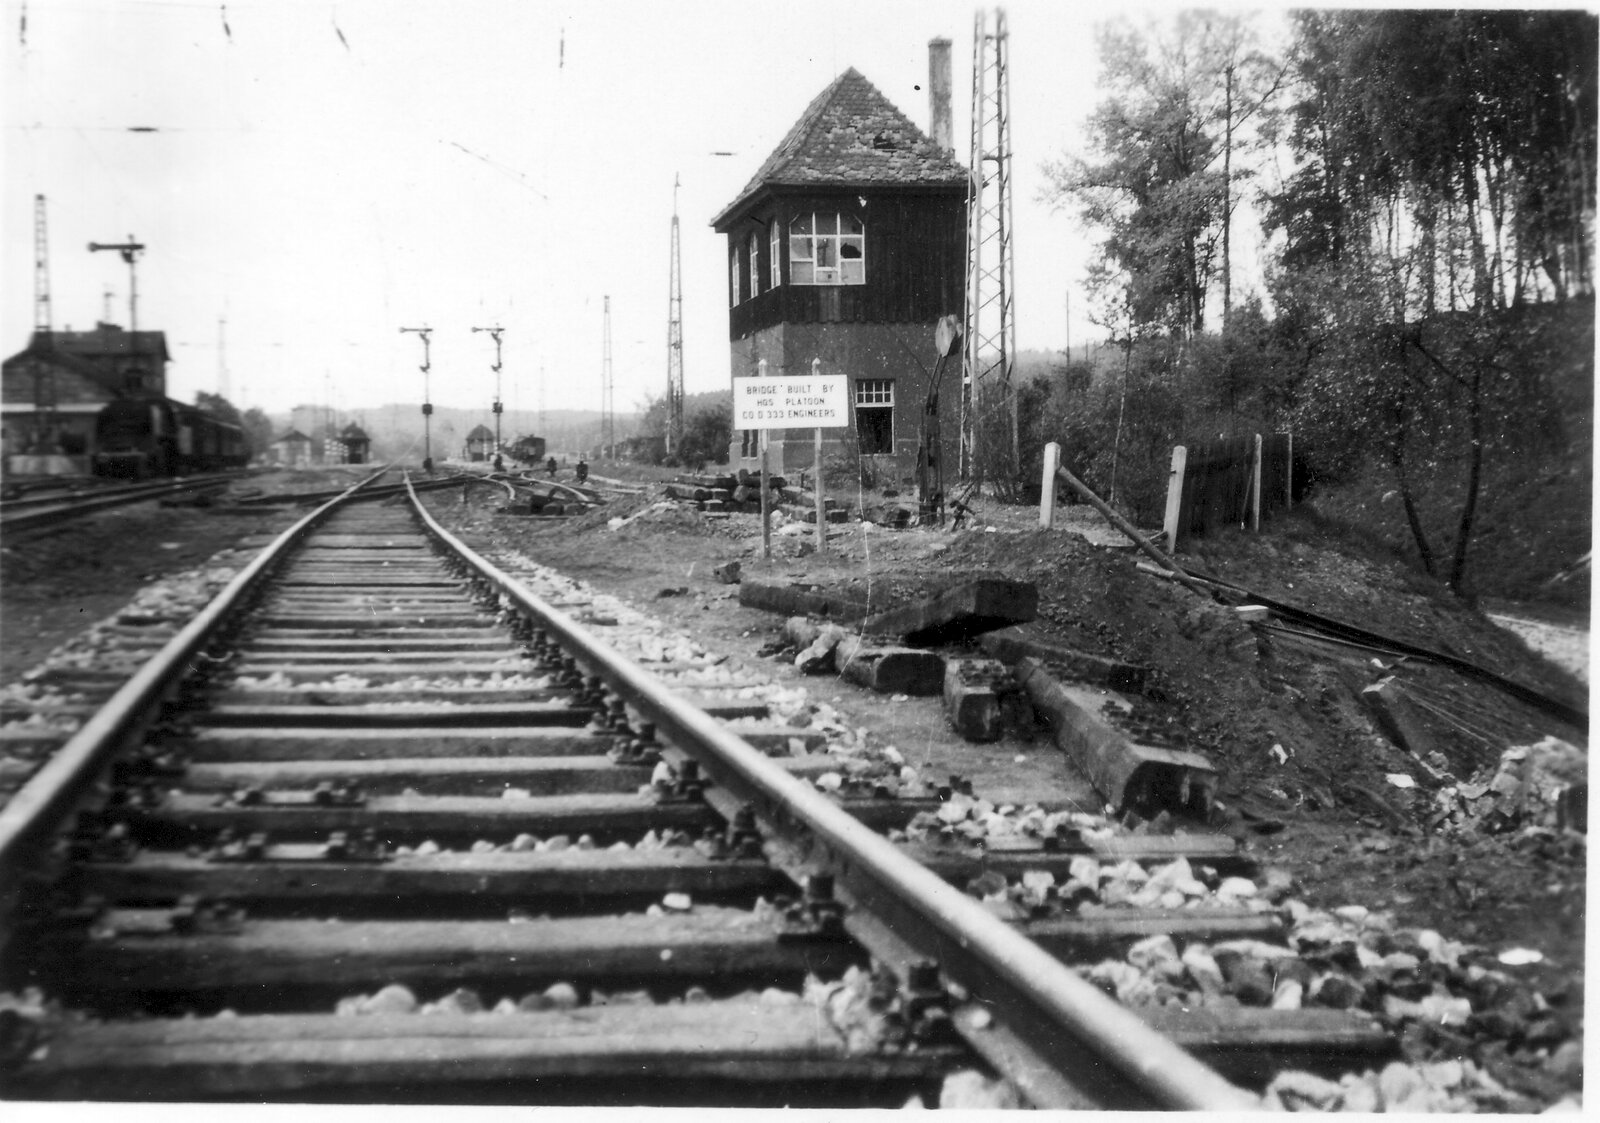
x: 1161, y: 189
x: 707, y: 432
x: 257, y: 428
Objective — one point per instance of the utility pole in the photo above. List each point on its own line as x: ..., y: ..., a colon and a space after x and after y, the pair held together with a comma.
x: 991, y: 330
x: 608, y: 422
x: 44, y: 379
x: 499, y: 408
x: 224, y: 384
x: 427, y: 406
x: 675, y: 339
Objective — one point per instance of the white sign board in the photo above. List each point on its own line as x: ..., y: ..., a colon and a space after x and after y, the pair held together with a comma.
x: 813, y: 402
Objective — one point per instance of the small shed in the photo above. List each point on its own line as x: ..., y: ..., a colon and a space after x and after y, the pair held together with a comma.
x: 357, y: 445
x: 292, y: 450
x: 480, y: 443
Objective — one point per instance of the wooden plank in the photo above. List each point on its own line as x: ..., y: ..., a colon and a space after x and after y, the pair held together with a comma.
x: 396, y: 715
x: 1249, y: 1045
x: 512, y: 663
x: 1012, y: 644
x: 1125, y: 771
x: 451, y: 775
x: 273, y: 1056
x: 333, y: 696
x: 1110, y: 932
x: 967, y: 610
x: 791, y: 600
x: 708, y: 942
x: 960, y: 865
x: 244, y: 743
x: 889, y: 669
x: 426, y: 775
x: 1172, y: 520
x: 415, y: 817
x: 543, y: 875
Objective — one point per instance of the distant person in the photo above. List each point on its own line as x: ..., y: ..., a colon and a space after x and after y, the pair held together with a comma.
x: 499, y: 464
x: 427, y: 465
x: 582, y: 470
x: 550, y: 466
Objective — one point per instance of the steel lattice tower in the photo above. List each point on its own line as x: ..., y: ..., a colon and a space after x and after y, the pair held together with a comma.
x: 991, y: 331
x: 608, y: 422
x: 675, y: 338
x: 44, y: 382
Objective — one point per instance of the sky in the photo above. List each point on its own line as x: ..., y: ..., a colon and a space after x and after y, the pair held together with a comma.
x: 310, y: 177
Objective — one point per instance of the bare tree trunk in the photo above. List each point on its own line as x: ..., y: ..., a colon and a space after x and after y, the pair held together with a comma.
x: 1413, y: 519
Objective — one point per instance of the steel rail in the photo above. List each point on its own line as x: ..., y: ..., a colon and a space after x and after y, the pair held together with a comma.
x: 47, y: 512
x: 39, y: 805
x: 1080, y: 1031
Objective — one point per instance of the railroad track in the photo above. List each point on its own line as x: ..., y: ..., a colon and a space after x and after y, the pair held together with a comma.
x: 32, y: 512
x: 382, y: 824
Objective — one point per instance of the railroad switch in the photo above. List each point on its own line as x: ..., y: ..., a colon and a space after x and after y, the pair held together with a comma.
x: 640, y: 749
x: 682, y: 784
x: 816, y: 916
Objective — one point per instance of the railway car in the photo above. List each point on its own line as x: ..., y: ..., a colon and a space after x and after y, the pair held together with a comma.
x: 136, y: 438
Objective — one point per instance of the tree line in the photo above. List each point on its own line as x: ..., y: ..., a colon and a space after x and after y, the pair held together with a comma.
x: 1437, y: 188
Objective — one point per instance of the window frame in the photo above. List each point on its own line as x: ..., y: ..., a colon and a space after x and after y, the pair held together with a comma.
x: 733, y: 273
x: 816, y: 237
x: 775, y: 250
x: 755, y: 265
x: 874, y: 395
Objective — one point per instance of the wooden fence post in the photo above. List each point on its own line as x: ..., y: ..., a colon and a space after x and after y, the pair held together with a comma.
x: 1047, y: 487
x: 1180, y: 457
x: 1255, y: 486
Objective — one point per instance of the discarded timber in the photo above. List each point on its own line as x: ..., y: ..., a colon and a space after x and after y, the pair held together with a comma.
x: 1397, y: 717
x: 1012, y: 644
x: 889, y: 669
x: 959, y: 613
x: 793, y: 600
x: 982, y: 699
x: 817, y: 643
x: 1131, y: 775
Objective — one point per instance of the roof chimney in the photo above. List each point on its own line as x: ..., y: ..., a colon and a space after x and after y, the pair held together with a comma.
x: 940, y: 127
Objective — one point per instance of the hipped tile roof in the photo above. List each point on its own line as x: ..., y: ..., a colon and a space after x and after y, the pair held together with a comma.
x: 851, y: 135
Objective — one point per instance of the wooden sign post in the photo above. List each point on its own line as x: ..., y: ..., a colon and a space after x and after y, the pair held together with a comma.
x: 818, y: 402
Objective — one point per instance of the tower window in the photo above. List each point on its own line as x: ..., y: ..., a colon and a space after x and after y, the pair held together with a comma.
x: 733, y: 275
x: 774, y: 250
x: 827, y: 249
x: 875, y: 415
x: 755, y: 267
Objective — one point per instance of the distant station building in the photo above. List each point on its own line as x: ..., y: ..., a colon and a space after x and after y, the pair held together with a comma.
x: 292, y: 450
x: 480, y: 443
x: 52, y: 392
x: 847, y: 247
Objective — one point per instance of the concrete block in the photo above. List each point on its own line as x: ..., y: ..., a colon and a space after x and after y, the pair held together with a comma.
x: 959, y: 613
x: 1130, y: 775
x: 888, y: 669
x: 982, y: 699
x: 1011, y: 644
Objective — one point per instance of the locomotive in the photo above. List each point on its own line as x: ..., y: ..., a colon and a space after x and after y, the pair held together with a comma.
x: 137, y: 438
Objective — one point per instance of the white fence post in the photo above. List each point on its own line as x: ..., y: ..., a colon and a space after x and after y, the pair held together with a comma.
x: 1180, y: 457
x: 1047, y: 487
x: 1255, y: 486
